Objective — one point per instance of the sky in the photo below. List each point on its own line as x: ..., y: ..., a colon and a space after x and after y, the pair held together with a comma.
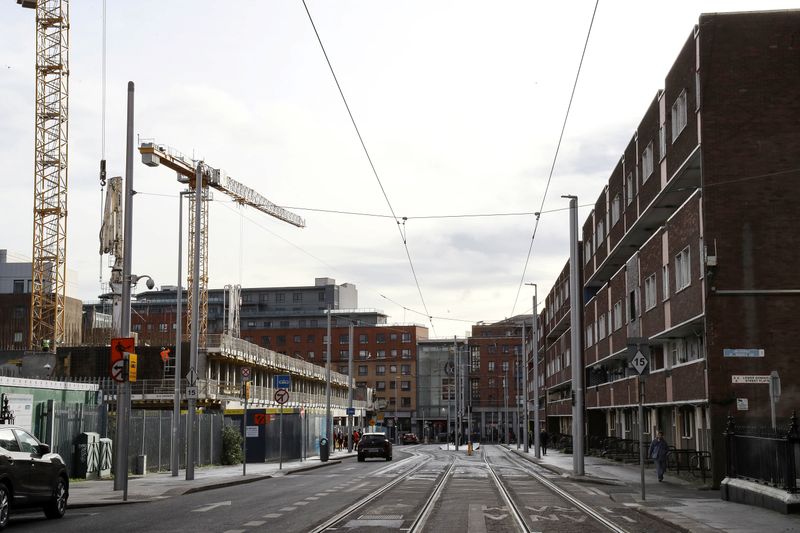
x: 459, y: 104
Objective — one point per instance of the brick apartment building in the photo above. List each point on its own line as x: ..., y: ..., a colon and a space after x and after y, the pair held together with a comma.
x: 691, y: 246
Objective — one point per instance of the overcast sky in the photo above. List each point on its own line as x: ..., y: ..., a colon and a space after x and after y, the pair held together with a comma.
x: 459, y: 104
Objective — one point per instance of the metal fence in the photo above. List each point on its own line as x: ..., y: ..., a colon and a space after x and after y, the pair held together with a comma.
x: 764, y: 455
x: 60, y: 424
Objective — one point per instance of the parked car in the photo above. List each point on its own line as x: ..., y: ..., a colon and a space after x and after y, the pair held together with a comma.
x: 374, y: 445
x: 410, y: 438
x: 30, y: 476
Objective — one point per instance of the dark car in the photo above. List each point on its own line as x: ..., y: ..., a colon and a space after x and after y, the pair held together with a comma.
x: 374, y: 445
x: 30, y: 476
x: 410, y: 438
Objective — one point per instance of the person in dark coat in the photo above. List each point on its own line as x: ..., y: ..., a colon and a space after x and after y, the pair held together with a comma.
x: 544, y: 439
x: 658, y: 453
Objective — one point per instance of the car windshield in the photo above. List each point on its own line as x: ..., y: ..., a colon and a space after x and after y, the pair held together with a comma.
x: 374, y: 439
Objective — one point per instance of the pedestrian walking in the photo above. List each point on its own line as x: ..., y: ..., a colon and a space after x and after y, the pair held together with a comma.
x: 544, y: 439
x: 658, y: 453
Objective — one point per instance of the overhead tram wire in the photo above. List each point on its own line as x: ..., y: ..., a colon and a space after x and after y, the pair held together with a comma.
x: 555, y: 156
x: 371, y: 164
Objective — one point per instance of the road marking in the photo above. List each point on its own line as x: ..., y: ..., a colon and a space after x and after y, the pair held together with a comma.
x: 476, y: 523
x: 208, y: 507
x: 312, y: 498
x: 287, y: 509
x: 255, y: 523
x: 631, y: 520
x: 234, y: 531
x: 301, y: 503
x: 272, y: 515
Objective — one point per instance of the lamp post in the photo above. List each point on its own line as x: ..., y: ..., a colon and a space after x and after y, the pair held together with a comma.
x: 535, y: 357
x: 175, y: 455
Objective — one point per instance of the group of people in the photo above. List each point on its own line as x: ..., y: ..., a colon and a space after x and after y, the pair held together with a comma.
x: 340, y: 439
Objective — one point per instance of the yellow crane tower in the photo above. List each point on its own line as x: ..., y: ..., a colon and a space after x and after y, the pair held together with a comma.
x: 48, y: 287
x: 153, y: 155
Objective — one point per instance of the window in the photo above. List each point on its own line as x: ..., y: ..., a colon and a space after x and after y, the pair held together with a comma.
x: 679, y: 115
x: 629, y: 188
x: 363, y: 354
x: 647, y: 162
x: 632, y: 306
x: 601, y: 327
x: 405, y: 338
x: 475, y: 387
x: 393, y: 353
x: 393, y: 385
x: 27, y: 443
x: 344, y: 339
x: 281, y: 340
x: 405, y: 385
x: 618, y: 315
x: 362, y: 370
x: 297, y: 339
x: 362, y: 339
x: 492, y: 348
x: 19, y: 286
x: 687, y: 423
x: 297, y: 297
x: 311, y: 355
x: 504, y: 348
x: 447, y: 387
x: 405, y: 370
x: 381, y: 354
x: 697, y: 89
x: 149, y: 327
x: 380, y: 370
x: 380, y: 385
x: 163, y: 327
x: 17, y: 336
x: 505, y: 366
x: 491, y: 366
x: 310, y: 338
x: 616, y: 204
x: 136, y: 327
x: 587, y: 250
x: 665, y: 281
x: 343, y: 354
x: 284, y: 323
x: 321, y: 296
x: 251, y: 324
x: 393, y: 337
x: 405, y: 401
x: 405, y: 353
x: 650, y: 292
x: 589, y: 340
x: 280, y: 298
x: 380, y: 338
x: 393, y: 369
x: 599, y: 235
x: 8, y: 441
x: 343, y: 369
x: 662, y: 142
x: 683, y: 270
x: 19, y: 312
x: 266, y: 324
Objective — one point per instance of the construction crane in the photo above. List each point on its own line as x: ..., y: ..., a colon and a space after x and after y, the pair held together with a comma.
x: 153, y: 155
x: 48, y: 287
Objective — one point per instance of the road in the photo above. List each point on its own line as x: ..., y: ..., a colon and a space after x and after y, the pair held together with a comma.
x: 422, y: 489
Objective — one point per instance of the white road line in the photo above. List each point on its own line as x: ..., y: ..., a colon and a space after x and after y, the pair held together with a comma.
x: 312, y: 498
x: 287, y: 509
x: 255, y: 523
x: 272, y: 515
x: 631, y: 520
x: 321, y: 494
x: 475, y: 519
x: 234, y: 531
x: 301, y: 503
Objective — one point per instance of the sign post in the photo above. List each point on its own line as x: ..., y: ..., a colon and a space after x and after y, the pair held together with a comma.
x: 281, y: 396
x: 774, y: 394
x: 640, y: 350
x: 246, y: 390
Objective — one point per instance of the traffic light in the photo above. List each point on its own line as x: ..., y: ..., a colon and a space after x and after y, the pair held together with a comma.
x: 246, y: 390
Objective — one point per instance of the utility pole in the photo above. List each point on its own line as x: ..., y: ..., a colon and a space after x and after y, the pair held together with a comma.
x: 350, y: 389
x: 576, y: 309
x: 123, y: 389
x: 328, y: 420
x: 175, y: 452
x: 535, y: 357
x: 523, y: 421
x: 505, y: 413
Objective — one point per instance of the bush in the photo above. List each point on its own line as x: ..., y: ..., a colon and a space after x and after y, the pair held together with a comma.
x: 231, y: 446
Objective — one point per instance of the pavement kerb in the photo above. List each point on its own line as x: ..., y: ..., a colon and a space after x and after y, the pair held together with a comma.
x: 669, y: 523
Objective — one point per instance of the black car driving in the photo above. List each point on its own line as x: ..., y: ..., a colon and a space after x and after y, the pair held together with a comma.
x: 30, y: 476
x: 374, y: 445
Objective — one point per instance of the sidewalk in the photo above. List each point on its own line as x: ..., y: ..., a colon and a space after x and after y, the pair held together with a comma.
x: 156, y: 486
x: 681, y: 503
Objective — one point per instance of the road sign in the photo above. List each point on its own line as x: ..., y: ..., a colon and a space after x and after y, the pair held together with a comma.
x: 133, y: 365
x: 260, y: 419
x: 281, y: 396
x: 351, y: 411
x: 118, y: 371
x: 191, y: 377
x: 283, y: 381
x: 191, y: 393
x: 639, y: 362
x: 449, y: 368
x: 120, y: 346
x: 245, y: 373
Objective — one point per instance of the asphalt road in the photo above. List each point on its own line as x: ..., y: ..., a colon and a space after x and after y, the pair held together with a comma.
x: 468, y: 501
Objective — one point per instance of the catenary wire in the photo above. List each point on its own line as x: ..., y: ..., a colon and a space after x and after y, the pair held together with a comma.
x: 371, y: 164
x: 555, y: 157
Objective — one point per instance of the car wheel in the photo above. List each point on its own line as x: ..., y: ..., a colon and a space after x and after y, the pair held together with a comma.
x: 5, y: 504
x: 58, y: 505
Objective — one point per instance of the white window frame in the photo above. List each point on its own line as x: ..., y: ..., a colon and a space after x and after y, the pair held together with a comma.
x: 629, y: 193
x: 683, y: 270
x: 665, y: 282
x: 589, y: 341
x: 650, y: 292
x: 618, y: 315
x: 587, y: 250
x: 647, y: 162
x: 601, y: 327
x: 615, y: 209
x: 662, y: 142
x: 679, y: 115
x: 599, y: 236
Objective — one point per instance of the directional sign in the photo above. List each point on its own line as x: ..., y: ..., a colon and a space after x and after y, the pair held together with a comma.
x: 283, y: 381
x: 281, y: 396
x: 118, y: 371
x: 351, y: 411
x: 245, y: 373
x: 639, y: 362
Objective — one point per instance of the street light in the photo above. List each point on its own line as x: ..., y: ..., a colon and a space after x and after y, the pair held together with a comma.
x: 535, y: 356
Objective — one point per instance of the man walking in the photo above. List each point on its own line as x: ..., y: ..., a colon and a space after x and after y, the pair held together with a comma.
x: 658, y: 452
x: 544, y: 438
